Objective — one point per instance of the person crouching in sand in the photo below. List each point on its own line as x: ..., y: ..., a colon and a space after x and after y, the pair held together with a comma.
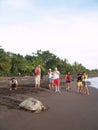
x: 13, y: 84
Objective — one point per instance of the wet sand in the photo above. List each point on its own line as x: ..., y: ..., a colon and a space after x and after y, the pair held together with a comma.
x: 65, y: 110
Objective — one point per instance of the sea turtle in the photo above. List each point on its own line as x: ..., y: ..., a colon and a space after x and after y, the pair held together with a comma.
x: 32, y: 104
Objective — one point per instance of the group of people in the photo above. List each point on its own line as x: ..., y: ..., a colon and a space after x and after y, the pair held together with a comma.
x: 82, y: 83
x: 54, y: 80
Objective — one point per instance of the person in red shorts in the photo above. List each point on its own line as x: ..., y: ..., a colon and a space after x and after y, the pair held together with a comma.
x: 56, y: 77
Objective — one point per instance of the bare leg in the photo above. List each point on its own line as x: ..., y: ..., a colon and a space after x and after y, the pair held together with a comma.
x: 87, y: 91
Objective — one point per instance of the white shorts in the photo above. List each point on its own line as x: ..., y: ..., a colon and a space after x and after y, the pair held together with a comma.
x: 37, y: 79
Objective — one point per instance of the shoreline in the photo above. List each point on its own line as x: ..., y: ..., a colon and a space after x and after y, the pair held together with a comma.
x: 66, y: 110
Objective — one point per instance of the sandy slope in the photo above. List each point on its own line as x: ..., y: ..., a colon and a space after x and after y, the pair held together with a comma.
x: 66, y: 110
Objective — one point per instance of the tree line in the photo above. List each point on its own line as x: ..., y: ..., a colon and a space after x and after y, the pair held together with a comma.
x: 15, y: 64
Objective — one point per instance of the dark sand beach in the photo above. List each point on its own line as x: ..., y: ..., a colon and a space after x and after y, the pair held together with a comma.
x: 65, y: 110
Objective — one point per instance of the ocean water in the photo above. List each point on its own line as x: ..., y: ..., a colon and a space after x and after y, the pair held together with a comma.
x: 93, y: 82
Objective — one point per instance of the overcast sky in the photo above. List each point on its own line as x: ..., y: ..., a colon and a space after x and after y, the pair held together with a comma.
x: 67, y: 28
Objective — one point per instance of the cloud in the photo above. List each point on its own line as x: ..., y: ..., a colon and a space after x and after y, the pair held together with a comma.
x: 68, y: 33
x: 16, y: 3
x: 46, y: 4
x: 75, y: 32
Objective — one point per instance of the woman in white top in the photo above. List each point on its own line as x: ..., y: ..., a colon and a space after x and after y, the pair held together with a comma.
x: 56, y: 77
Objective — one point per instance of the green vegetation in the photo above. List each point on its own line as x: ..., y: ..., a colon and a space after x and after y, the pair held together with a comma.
x: 15, y: 64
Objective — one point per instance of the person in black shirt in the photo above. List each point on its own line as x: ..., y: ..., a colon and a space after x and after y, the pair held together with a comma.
x: 79, y: 83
